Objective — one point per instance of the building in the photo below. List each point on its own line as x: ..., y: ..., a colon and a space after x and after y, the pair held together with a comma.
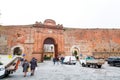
x: 48, y: 39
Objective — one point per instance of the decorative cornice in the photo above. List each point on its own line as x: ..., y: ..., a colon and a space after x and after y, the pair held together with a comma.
x: 48, y: 26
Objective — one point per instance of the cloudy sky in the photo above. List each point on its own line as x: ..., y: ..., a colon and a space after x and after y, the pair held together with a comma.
x: 70, y: 13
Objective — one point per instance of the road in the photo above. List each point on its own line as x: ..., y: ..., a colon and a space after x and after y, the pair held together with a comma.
x: 48, y: 71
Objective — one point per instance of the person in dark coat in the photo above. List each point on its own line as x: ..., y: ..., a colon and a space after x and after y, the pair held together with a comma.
x: 25, y: 66
x: 62, y: 59
x: 33, y: 63
x: 54, y: 60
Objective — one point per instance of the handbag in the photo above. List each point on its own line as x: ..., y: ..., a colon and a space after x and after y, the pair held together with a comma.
x: 29, y: 69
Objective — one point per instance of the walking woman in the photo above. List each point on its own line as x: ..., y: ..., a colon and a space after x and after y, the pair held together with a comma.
x: 25, y: 67
x: 33, y: 63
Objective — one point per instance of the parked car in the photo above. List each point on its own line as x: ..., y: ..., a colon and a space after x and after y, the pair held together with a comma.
x: 89, y: 61
x: 70, y: 60
x: 110, y: 59
x: 114, y: 61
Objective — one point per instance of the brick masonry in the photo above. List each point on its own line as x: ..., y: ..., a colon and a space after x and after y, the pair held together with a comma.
x: 30, y: 39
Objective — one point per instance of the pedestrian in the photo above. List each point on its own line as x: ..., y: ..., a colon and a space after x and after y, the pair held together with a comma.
x: 21, y: 61
x: 69, y: 60
x: 33, y: 63
x: 25, y: 67
x: 62, y: 59
x: 77, y: 57
x: 57, y: 60
x: 54, y: 60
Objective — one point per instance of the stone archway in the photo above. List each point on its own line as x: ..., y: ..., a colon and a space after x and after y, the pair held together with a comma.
x: 49, y: 49
x: 17, y: 50
x: 75, y: 49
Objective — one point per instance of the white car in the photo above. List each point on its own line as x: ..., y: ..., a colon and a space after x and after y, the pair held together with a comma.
x: 70, y: 60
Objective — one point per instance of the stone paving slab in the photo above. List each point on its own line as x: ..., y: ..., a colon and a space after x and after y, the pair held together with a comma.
x: 49, y: 71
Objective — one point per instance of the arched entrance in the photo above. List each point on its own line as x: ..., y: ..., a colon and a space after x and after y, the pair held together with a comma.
x: 75, y: 51
x: 17, y: 51
x: 50, y: 49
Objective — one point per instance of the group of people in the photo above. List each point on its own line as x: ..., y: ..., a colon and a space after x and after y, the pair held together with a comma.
x: 29, y: 65
x: 58, y: 59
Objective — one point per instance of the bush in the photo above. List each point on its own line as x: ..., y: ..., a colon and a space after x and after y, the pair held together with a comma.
x: 47, y: 57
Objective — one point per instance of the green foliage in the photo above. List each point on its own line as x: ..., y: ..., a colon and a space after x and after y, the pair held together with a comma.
x: 75, y: 53
x: 47, y: 57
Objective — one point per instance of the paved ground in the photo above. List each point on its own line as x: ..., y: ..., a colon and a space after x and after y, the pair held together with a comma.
x: 48, y: 71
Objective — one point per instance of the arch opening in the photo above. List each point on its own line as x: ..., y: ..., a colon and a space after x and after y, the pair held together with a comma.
x: 17, y: 51
x: 75, y: 51
x: 49, y: 49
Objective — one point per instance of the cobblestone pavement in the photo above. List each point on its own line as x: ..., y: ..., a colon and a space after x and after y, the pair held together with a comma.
x: 48, y: 71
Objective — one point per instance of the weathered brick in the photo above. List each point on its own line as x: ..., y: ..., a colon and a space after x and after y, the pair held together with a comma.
x: 30, y: 39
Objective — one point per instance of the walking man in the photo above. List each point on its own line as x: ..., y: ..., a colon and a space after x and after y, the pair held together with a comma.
x: 62, y: 59
x: 33, y: 63
x: 54, y: 60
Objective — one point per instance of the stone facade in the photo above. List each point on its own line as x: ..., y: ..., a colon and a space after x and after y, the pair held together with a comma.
x: 92, y: 41
x: 30, y: 40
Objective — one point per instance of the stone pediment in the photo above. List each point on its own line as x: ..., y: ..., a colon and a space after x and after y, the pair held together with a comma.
x: 49, y: 22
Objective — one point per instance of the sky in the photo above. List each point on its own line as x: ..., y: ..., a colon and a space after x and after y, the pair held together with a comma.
x: 70, y: 13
